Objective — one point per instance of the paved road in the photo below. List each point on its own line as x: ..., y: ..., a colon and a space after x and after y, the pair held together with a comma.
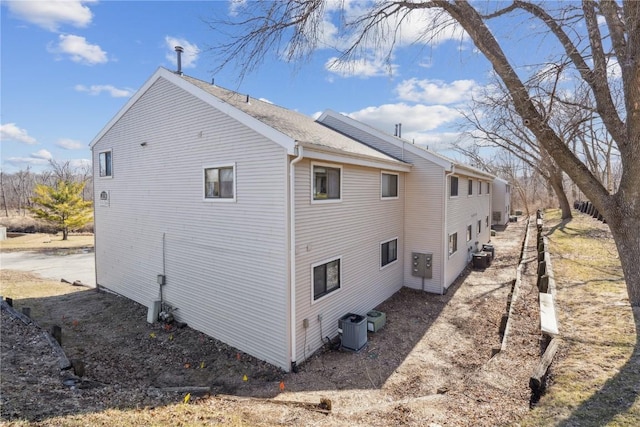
x: 55, y: 265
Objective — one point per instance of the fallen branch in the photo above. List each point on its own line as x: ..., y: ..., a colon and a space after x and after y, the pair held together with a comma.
x: 323, y: 407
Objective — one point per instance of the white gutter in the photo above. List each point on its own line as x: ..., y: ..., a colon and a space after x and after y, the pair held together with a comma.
x: 445, y: 236
x: 292, y: 249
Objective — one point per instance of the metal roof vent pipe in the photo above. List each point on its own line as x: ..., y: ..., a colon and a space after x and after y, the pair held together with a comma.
x: 179, y: 51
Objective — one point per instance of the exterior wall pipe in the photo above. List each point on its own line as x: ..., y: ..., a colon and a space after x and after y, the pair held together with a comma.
x: 292, y: 249
x: 445, y: 236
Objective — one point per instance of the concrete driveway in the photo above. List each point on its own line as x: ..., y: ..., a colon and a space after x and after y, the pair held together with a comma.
x: 69, y: 264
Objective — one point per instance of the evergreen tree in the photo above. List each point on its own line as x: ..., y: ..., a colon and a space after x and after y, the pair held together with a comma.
x: 62, y: 206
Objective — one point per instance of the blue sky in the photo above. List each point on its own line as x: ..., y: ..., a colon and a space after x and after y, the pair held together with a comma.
x: 68, y: 67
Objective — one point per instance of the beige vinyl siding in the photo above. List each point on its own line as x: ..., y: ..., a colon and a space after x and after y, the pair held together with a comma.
x: 463, y: 211
x: 423, y: 229
x: 226, y: 262
x: 352, y: 229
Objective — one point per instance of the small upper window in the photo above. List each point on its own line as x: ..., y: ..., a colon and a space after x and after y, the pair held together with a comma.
x: 479, y: 187
x: 326, y: 183
x: 454, y: 186
x: 453, y: 243
x: 105, y: 163
x: 326, y: 278
x: 388, y: 252
x: 389, y: 185
x: 488, y: 188
x: 219, y: 183
x: 470, y: 192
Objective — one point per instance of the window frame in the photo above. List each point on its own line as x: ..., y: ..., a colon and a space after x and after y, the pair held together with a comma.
x: 479, y: 188
x: 469, y: 232
x: 389, y: 263
x: 455, y: 244
x: 382, y: 196
x: 488, y: 188
x: 313, y: 182
x: 327, y: 293
x: 470, y: 188
x: 451, y: 178
x: 479, y: 229
x: 204, y: 183
x: 100, y: 153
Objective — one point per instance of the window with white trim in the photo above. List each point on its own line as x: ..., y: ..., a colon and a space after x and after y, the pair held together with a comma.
x: 326, y: 278
x: 453, y: 186
x: 469, y: 231
x: 479, y: 226
x: 488, y: 188
x: 388, y: 252
x: 453, y: 243
x: 479, y: 188
x: 104, y: 159
x: 389, y: 185
x: 219, y: 182
x: 326, y: 182
x: 470, y: 191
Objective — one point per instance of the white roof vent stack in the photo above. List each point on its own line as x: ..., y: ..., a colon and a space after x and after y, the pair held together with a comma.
x: 179, y: 51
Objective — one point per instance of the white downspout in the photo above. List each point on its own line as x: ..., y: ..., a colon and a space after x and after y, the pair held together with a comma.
x: 292, y: 249
x: 445, y: 236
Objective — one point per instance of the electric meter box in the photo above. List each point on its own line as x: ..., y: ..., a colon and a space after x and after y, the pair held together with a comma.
x: 422, y: 265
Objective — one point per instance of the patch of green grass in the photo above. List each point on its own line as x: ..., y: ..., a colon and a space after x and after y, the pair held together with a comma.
x: 595, y: 377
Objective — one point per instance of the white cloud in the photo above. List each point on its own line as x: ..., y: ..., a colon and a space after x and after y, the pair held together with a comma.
x: 51, y: 14
x: 111, y: 90
x: 189, y: 56
x: 40, y: 157
x: 360, y: 67
x: 80, y: 163
x: 70, y: 144
x: 414, y: 118
x: 11, y: 132
x: 42, y: 154
x: 613, y: 69
x: 235, y: 5
x: 79, y: 50
x: 436, y: 91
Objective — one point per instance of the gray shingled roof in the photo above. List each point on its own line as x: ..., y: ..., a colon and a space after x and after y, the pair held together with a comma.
x: 297, y: 126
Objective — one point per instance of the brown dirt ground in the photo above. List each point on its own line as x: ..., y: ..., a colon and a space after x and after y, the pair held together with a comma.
x: 431, y: 364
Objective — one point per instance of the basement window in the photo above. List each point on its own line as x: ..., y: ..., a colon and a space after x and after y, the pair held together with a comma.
x: 326, y: 277
x: 219, y: 183
x: 453, y: 243
x: 388, y: 252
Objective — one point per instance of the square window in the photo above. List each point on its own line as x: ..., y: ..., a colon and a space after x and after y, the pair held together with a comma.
x: 105, y: 163
x: 453, y: 243
x: 326, y: 182
x: 389, y: 185
x: 470, y: 192
x: 453, y: 191
x: 326, y: 278
x: 388, y: 252
x: 469, y: 231
x: 219, y: 183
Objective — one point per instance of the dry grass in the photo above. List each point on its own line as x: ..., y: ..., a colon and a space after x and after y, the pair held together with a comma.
x: 40, y: 241
x: 596, y: 375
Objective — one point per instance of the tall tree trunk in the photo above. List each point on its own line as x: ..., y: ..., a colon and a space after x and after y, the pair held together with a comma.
x: 626, y: 233
x: 557, y: 183
x: 65, y: 233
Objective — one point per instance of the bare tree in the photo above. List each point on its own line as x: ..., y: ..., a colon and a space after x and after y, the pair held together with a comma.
x: 294, y: 29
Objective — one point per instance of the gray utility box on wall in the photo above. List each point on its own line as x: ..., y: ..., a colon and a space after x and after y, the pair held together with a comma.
x: 352, y: 329
x: 421, y: 265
